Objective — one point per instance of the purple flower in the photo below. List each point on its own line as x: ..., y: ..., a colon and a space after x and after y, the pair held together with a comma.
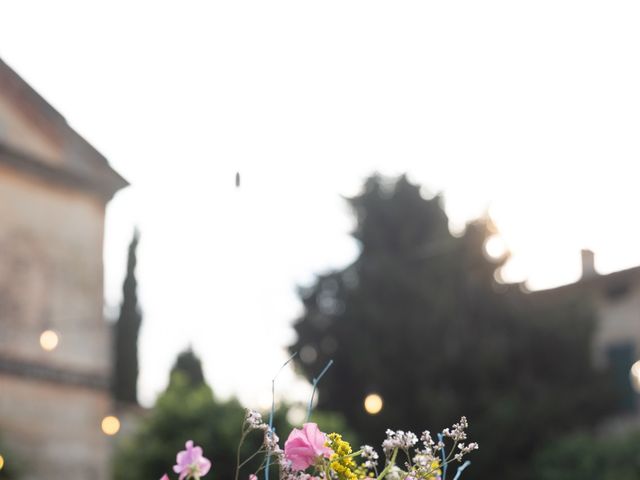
x: 190, y: 463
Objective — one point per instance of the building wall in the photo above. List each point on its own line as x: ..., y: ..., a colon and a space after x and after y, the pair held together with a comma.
x: 617, y: 346
x: 22, y: 127
x: 54, y: 430
x: 51, y: 273
x: 51, y: 277
x: 620, y: 318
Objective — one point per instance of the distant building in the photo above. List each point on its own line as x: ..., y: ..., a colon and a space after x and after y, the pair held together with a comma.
x: 54, y: 188
x: 616, y: 297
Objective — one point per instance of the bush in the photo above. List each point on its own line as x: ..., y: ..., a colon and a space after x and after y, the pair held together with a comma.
x: 582, y: 456
x: 183, y: 412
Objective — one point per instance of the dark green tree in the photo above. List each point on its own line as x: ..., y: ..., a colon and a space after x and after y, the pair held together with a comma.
x: 420, y: 319
x: 190, y: 366
x: 127, y: 328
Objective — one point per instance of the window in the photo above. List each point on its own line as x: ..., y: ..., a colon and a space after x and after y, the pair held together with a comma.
x: 621, y: 358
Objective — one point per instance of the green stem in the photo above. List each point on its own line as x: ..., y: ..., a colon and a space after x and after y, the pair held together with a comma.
x: 408, y: 455
x: 452, y: 452
x: 262, y: 466
x: 354, y: 454
x: 327, y: 472
x: 389, y: 466
x: 242, y: 437
x: 260, y: 450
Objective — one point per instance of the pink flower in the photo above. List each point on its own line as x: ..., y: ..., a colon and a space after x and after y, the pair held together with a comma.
x: 253, y: 477
x: 165, y: 477
x: 191, y: 463
x: 304, y: 447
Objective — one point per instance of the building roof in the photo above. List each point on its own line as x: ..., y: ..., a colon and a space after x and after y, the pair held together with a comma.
x: 67, y: 159
x: 611, y: 283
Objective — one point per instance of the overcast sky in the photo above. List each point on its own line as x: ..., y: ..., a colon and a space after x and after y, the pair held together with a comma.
x: 527, y: 110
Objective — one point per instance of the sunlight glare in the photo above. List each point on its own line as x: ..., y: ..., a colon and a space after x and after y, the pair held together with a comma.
x: 495, y: 247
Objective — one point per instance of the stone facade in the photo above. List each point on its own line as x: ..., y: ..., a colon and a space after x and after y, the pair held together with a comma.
x: 54, y: 188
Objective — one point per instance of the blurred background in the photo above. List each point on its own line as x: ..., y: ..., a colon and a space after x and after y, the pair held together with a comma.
x: 440, y: 198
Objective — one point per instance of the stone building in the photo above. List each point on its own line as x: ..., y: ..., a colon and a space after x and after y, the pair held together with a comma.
x: 616, y: 298
x: 54, y: 188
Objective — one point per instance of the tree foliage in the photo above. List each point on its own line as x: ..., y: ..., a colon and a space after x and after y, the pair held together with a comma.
x: 127, y: 328
x: 190, y: 366
x: 183, y: 412
x: 420, y: 319
x: 188, y: 410
x: 583, y: 455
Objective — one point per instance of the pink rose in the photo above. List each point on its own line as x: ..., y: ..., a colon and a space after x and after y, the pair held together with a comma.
x: 303, y: 447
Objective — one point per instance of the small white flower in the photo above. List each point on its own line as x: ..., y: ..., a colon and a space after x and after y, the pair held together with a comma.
x: 394, y: 474
x: 399, y: 439
x: 253, y: 420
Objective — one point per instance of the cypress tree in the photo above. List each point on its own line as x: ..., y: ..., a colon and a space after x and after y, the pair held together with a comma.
x: 127, y: 328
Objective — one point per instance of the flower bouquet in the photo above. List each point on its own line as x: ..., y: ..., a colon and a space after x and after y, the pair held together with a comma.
x: 310, y: 454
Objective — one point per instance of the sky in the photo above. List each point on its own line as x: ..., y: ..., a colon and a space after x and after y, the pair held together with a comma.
x: 527, y: 111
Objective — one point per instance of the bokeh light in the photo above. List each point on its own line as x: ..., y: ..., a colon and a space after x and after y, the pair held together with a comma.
x: 110, y: 425
x: 1, y: 462
x: 308, y: 354
x: 49, y: 340
x: 296, y: 415
x: 373, y: 404
x: 634, y: 373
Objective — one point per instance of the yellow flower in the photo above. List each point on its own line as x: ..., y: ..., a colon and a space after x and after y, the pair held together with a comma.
x: 435, y: 472
x: 363, y: 473
x: 340, y: 462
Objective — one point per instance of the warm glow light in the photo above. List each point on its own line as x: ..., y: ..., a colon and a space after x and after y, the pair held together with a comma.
x: 110, y: 425
x: 1, y: 462
x: 634, y: 373
x: 49, y: 340
x: 373, y: 403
